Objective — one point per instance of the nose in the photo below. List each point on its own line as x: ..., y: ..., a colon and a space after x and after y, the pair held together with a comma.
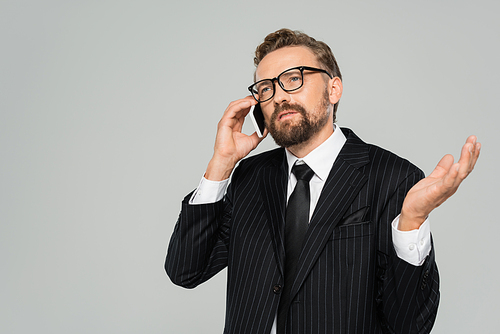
x: 280, y: 95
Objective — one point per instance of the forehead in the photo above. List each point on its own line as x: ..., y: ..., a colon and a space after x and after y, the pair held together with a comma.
x: 282, y: 59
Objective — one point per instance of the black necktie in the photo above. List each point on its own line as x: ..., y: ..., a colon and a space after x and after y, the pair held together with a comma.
x: 296, y: 223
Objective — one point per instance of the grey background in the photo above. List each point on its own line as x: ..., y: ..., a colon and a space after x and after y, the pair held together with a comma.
x: 108, y: 112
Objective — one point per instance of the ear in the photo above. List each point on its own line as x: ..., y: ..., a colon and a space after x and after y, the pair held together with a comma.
x: 335, y: 89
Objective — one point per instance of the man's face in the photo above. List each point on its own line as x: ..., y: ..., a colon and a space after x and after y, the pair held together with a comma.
x: 297, y: 117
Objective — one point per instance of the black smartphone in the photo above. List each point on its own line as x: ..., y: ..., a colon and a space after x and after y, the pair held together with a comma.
x: 258, y: 119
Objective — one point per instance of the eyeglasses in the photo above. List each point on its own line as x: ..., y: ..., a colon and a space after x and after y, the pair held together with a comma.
x: 289, y: 80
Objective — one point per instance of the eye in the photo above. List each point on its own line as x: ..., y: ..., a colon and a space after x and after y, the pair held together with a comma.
x: 291, y: 78
x: 264, y: 88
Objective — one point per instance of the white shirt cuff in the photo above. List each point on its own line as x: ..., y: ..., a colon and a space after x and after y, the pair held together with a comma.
x: 209, y: 191
x: 412, y: 246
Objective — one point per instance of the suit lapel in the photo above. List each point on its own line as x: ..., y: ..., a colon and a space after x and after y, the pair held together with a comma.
x: 341, y: 188
x: 273, y: 185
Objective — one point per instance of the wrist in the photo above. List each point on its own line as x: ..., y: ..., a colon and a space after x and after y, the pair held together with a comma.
x: 219, y: 169
x: 409, y: 222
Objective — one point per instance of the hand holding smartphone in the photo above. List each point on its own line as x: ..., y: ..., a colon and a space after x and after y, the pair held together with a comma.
x: 258, y: 119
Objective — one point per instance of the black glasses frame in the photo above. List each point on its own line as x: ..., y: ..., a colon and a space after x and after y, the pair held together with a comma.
x: 301, y: 68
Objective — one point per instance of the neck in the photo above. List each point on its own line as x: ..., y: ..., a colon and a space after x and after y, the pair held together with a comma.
x: 303, y: 149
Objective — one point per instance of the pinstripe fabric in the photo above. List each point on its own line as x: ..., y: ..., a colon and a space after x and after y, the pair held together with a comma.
x: 349, y: 279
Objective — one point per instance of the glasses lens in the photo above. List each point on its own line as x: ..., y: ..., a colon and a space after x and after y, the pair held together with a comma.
x: 263, y: 90
x: 291, y: 80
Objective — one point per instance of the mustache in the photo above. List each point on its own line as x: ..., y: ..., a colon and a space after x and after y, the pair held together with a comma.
x: 288, y: 106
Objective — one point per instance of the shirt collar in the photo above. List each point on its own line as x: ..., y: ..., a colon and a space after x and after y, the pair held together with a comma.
x: 321, y: 159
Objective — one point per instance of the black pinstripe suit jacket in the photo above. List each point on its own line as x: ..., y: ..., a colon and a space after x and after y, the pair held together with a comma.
x: 349, y: 279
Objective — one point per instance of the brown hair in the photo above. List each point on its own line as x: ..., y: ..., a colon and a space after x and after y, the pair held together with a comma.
x: 286, y: 37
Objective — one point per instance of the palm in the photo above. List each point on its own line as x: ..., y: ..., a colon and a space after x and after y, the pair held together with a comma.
x: 431, y: 191
x: 442, y: 183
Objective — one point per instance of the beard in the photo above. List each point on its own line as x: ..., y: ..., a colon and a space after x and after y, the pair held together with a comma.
x: 289, y: 133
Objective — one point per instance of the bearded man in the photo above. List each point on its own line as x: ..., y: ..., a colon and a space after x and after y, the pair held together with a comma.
x: 326, y: 234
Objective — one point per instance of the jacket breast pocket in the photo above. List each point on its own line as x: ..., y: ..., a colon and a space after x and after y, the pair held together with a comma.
x: 353, y: 245
x: 353, y: 230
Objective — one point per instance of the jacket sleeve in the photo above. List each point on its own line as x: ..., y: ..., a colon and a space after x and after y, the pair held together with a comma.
x: 408, y: 295
x: 198, y: 248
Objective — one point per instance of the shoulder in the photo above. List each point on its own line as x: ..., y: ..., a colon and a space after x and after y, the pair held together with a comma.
x: 389, y: 161
x: 375, y: 160
x: 251, y: 171
x: 251, y: 167
x: 265, y: 159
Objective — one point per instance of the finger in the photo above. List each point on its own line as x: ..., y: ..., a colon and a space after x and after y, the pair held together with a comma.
x: 238, y: 125
x: 254, y: 137
x: 466, y: 159
x: 246, y: 98
x: 476, y: 156
x: 264, y: 134
x: 473, y: 140
x: 236, y: 112
x: 472, y: 149
x: 239, y: 107
x: 476, y: 148
x: 442, y: 167
x: 466, y: 163
x: 451, y: 181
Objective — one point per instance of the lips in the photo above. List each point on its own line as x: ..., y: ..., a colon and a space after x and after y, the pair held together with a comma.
x: 286, y: 114
x: 286, y: 111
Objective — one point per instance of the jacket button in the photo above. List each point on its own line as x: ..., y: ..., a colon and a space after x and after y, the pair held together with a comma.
x: 277, y: 288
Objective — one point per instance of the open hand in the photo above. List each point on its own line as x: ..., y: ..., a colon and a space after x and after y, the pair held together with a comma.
x: 436, y: 188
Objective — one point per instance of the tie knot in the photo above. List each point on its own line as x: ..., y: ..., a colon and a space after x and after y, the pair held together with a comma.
x: 302, y: 172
